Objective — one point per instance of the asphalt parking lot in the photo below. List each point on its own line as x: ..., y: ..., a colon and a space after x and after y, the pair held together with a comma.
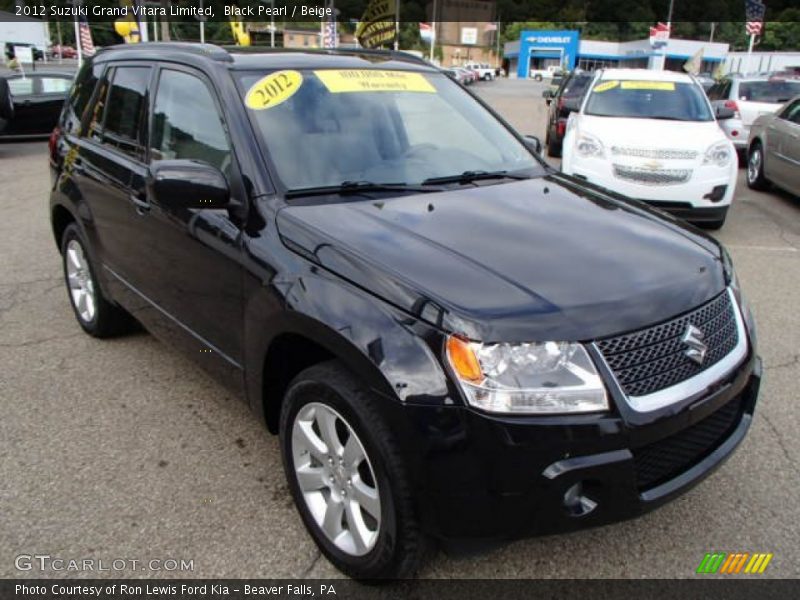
x: 124, y: 449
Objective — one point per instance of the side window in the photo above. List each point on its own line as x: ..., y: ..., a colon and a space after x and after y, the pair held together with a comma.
x: 187, y: 123
x: 20, y: 86
x: 78, y: 102
x: 54, y: 85
x: 125, y: 109
x: 714, y: 91
x: 792, y: 112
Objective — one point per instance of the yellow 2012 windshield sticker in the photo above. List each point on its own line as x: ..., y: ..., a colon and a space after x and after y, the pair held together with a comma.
x: 605, y: 86
x: 273, y: 89
x: 373, y: 80
x: 662, y: 86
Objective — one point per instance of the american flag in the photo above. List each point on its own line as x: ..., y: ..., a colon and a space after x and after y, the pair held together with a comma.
x: 329, y: 35
x: 85, y: 37
x: 754, y: 14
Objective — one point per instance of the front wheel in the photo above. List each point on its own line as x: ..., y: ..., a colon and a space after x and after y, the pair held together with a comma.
x: 347, y: 477
x: 755, y: 168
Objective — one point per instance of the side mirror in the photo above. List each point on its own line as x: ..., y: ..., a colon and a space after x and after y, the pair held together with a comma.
x: 723, y: 112
x: 533, y: 143
x: 182, y: 184
x: 548, y: 94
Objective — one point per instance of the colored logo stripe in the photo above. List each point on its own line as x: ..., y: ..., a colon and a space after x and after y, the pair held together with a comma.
x: 735, y: 563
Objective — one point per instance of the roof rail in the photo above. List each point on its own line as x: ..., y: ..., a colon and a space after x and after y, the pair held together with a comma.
x: 211, y: 50
x: 395, y: 54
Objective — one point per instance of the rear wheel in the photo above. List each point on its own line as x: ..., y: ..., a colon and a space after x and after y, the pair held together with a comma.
x: 346, y: 475
x: 755, y: 167
x: 96, y: 315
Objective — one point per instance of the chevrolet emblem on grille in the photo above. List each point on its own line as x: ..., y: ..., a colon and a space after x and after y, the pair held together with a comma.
x: 693, y: 338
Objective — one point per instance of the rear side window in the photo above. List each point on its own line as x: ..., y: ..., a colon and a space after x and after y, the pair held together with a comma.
x: 187, y: 123
x: 20, y: 87
x: 79, y: 97
x: 125, y: 109
x: 54, y: 85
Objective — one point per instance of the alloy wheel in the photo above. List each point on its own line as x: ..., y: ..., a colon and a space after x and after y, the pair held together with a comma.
x: 336, y: 478
x: 81, y: 285
x: 754, y: 165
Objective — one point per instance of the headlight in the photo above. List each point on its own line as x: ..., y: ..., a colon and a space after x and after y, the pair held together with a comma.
x: 544, y: 377
x: 589, y: 146
x: 718, y: 154
x: 733, y: 281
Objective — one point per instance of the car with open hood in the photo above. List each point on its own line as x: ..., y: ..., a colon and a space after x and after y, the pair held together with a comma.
x: 453, y: 341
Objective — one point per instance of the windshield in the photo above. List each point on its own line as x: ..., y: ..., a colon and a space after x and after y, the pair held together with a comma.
x: 774, y: 92
x: 327, y: 127
x: 671, y: 100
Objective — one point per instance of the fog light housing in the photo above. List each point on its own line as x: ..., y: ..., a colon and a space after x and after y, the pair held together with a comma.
x: 717, y: 193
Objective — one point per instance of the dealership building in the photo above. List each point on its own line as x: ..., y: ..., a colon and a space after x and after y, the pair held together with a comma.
x: 539, y: 49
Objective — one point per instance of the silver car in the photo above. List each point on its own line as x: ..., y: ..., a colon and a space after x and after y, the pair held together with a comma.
x: 750, y: 97
x: 773, y: 154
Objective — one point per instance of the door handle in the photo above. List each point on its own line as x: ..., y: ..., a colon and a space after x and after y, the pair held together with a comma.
x: 142, y: 205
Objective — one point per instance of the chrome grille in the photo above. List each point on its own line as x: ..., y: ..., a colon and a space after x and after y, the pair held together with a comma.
x: 652, y: 176
x: 654, y: 358
x: 662, y: 153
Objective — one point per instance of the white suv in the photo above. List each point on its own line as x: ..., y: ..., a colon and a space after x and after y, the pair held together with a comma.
x: 654, y: 136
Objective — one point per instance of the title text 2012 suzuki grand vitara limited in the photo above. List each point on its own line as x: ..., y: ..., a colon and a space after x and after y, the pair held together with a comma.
x: 454, y: 341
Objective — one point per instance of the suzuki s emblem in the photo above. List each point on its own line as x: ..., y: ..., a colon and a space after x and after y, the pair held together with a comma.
x: 693, y: 338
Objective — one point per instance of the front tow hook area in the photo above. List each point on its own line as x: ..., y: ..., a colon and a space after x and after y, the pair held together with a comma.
x: 576, y: 503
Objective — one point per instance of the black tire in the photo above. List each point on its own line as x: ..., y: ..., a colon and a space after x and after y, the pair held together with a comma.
x: 400, y: 545
x: 553, y: 146
x: 108, y: 319
x: 755, y: 167
x: 537, y: 77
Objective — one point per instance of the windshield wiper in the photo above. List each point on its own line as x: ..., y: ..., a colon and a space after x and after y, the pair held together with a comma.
x: 357, y: 187
x: 470, y: 176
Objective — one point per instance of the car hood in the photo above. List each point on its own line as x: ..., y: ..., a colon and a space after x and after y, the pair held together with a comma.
x: 530, y: 260
x: 653, y: 133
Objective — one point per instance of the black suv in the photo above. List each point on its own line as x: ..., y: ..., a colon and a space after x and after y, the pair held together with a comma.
x: 454, y: 341
x: 573, y: 87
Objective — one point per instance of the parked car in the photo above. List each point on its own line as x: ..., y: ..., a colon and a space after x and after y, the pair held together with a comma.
x: 459, y: 75
x: 546, y: 73
x: 749, y: 98
x: 469, y: 77
x: 652, y: 135
x: 706, y: 80
x: 10, y: 54
x: 773, y: 152
x: 573, y: 87
x: 433, y: 367
x: 57, y: 51
x: 474, y: 76
x: 37, y: 98
x: 483, y: 70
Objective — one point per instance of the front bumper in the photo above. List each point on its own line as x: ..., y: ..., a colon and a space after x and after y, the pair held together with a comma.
x: 481, y: 477
x: 699, y: 192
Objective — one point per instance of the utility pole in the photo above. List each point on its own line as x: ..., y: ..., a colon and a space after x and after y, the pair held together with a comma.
x: 165, y: 21
x: 713, y: 27
x: 433, y: 30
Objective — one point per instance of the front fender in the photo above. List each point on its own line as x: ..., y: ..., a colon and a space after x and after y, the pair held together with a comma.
x: 393, y: 352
